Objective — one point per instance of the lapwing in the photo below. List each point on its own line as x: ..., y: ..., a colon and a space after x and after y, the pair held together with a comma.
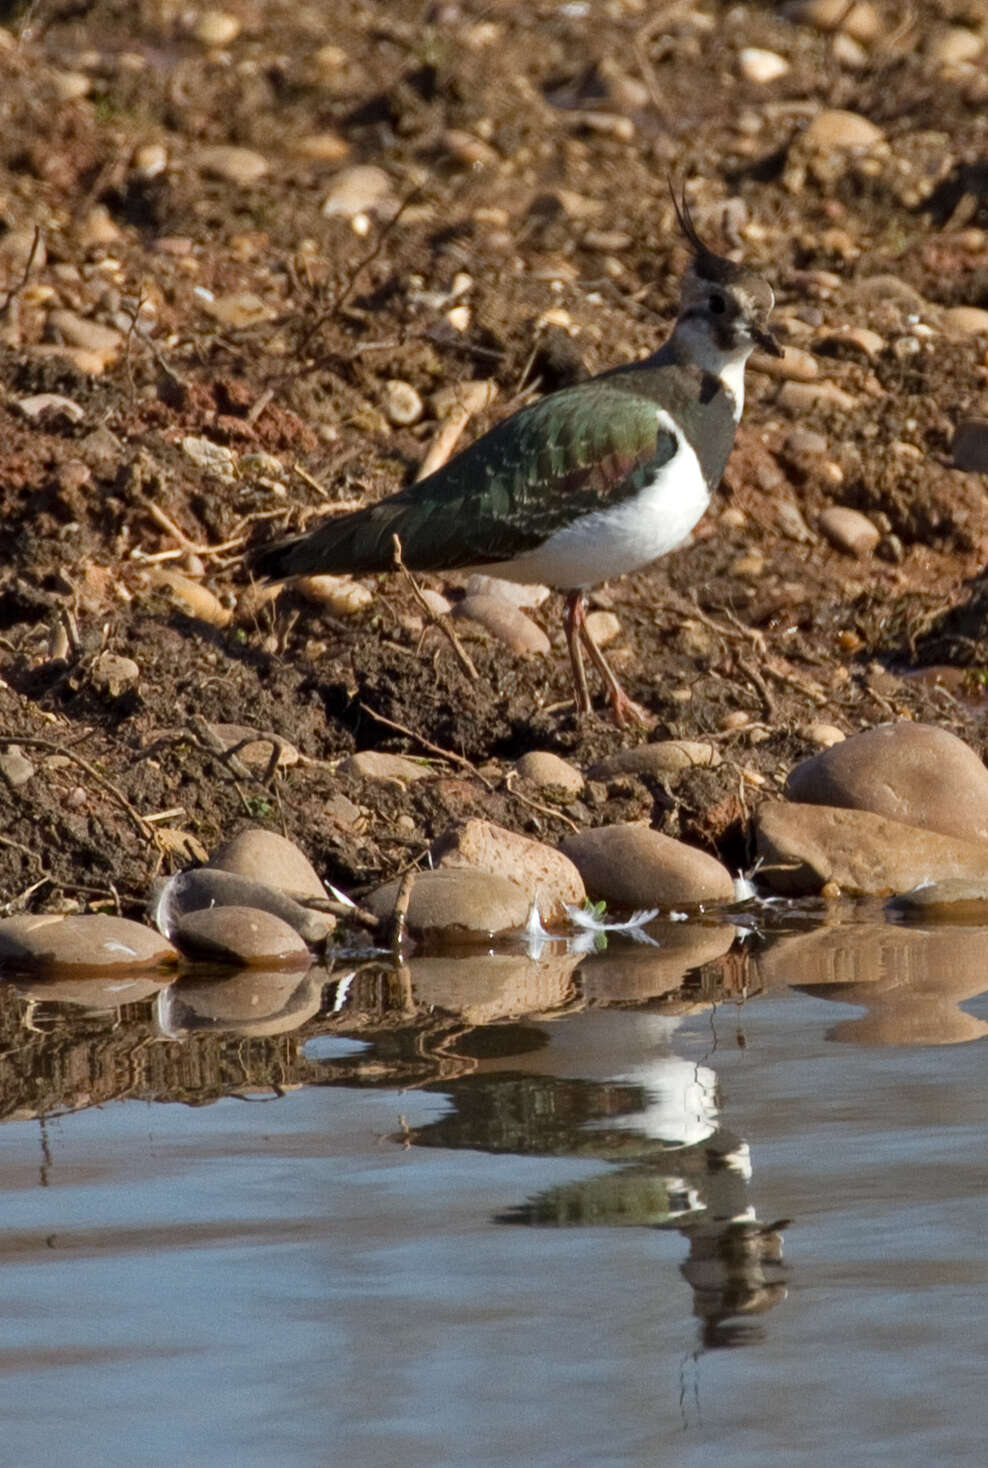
x: 585, y: 484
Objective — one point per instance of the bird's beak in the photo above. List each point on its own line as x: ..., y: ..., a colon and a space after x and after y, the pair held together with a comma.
x: 767, y: 341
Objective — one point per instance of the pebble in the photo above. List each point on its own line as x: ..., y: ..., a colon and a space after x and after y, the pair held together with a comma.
x: 956, y: 46
x: 849, y: 530
x: 246, y: 936
x: 795, y: 364
x: 197, y: 599
x: 85, y: 944
x: 549, y: 771
x: 18, y: 246
x: 204, y: 887
x: 493, y: 986
x: 266, y: 857
x: 238, y: 309
x: 255, y: 1002
x: 859, y: 21
x: 402, y: 404
x: 98, y: 228
x: 216, y: 28
x: 456, y: 904
x: 834, y: 129
x: 215, y: 458
x: 515, y: 593
x: 322, y: 147
x: 915, y: 773
x: 79, y: 331
x: 373, y: 764
x: 15, y: 767
x: 545, y: 875
x: 868, y: 342
x: 42, y: 403
x: 505, y: 622
x: 341, y: 595
x: 803, y: 397
x: 761, y: 67
x: 632, y: 866
x: 801, y: 444
x: 966, y: 320
x: 362, y: 189
x: 69, y: 86
x: 969, y: 446
x: 604, y: 627
x: 664, y: 757
x: 259, y: 747
x: 115, y: 673
x: 89, y: 363
x: 241, y: 166
x: 805, y: 847
x: 823, y: 735
x: 149, y: 161
x: 436, y: 602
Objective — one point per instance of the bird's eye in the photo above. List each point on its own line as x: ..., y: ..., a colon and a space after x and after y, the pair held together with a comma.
x: 717, y: 304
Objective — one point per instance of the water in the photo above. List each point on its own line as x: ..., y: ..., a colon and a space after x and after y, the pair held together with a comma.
x: 735, y: 1215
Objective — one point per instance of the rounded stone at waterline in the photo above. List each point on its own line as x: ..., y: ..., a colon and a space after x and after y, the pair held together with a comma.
x: 916, y: 773
x: 456, y: 904
x: 266, y: 857
x: 632, y: 866
x: 245, y: 936
x: 85, y: 944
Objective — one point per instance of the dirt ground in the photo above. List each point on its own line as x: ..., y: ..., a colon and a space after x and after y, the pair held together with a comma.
x: 520, y: 233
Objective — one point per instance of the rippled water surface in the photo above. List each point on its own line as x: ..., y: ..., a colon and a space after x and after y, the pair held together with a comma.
x: 733, y: 1216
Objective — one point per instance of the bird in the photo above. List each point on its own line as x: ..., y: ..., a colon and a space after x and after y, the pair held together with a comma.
x: 587, y: 483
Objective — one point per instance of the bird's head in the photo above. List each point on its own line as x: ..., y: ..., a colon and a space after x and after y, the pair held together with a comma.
x: 722, y: 301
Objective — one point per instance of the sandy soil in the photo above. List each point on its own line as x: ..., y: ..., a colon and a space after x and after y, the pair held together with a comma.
x: 524, y: 237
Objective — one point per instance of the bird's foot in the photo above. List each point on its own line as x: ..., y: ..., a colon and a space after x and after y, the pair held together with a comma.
x: 628, y: 714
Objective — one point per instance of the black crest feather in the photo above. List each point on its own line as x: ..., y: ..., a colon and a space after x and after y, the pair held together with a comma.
x: 706, y: 262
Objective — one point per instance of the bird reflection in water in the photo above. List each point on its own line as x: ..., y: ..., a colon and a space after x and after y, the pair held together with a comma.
x: 674, y: 1166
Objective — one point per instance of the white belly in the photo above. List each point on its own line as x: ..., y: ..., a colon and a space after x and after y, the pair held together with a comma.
x: 623, y: 537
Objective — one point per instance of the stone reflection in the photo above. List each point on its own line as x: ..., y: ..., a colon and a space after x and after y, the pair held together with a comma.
x: 910, y: 980
x: 674, y: 1166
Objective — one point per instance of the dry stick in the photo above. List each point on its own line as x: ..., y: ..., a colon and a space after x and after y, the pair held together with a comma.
x: 546, y: 810
x: 167, y: 523
x: 50, y: 747
x: 456, y: 759
x: 443, y: 623
x: 19, y: 285
x: 398, y: 921
x: 343, y: 295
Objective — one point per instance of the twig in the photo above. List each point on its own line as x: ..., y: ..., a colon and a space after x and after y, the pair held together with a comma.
x: 19, y: 285
x: 398, y: 921
x: 456, y: 759
x: 753, y: 676
x: 443, y: 623
x: 343, y: 295
x: 190, y: 546
x: 546, y: 810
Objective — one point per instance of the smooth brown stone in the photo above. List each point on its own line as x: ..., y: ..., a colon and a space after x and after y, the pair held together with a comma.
x: 372, y: 764
x: 806, y: 847
x: 546, y: 876
x: 632, y: 866
x: 665, y: 757
x: 915, y: 773
x: 548, y: 770
x: 245, y: 936
x: 264, y: 856
x: 90, y: 943
x: 954, y: 900
x: 211, y: 887
x: 456, y: 904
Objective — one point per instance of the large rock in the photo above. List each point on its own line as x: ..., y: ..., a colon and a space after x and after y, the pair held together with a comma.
x: 911, y: 982
x: 915, y: 773
x: 210, y: 887
x: 245, y: 936
x: 547, y: 876
x: 92, y: 943
x: 631, y: 866
x: 804, y: 847
x: 456, y: 904
x: 953, y: 900
x: 264, y: 856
